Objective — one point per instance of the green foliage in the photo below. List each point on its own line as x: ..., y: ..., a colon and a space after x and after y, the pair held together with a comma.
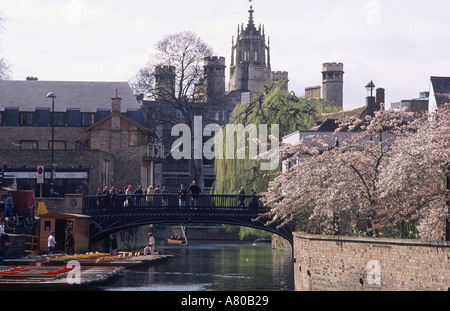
x: 271, y: 105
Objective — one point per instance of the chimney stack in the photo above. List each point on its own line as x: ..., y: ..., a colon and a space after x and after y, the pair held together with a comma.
x: 116, y: 102
x: 380, y: 99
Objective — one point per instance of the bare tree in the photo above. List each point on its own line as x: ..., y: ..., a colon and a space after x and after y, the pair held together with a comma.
x: 184, y: 52
x: 4, y: 66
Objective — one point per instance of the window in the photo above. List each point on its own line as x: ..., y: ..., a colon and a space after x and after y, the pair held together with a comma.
x: 42, y: 117
x: 87, y: 118
x: 246, y: 56
x: 27, y: 118
x: 48, y: 226
x: 29, y: 144
x: 73, y: 117
x: 60, y: 118
x: 208, y: 182
x: 80, y: 146
x: 133, y: 138
x: 59, y: 144
x: 11, y: 116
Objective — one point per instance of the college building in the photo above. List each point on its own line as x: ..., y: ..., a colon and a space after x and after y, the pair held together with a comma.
x: 85, y: 136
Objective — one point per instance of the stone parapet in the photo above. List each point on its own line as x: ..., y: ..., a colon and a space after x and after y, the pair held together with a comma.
x: 336, y: 263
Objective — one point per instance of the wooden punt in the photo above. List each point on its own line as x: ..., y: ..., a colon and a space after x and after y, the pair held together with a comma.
x: 55, y: 278
x: 124, y: 259
x: 175, y: 241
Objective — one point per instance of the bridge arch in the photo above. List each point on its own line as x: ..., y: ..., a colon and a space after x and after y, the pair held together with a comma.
x: 215, y: 209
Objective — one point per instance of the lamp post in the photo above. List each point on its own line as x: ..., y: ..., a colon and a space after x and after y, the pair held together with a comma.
x: 52, y: 96
x: 370, y: 103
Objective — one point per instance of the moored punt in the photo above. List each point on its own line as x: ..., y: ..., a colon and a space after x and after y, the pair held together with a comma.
x: 124, y: 259
x: 55, y: 278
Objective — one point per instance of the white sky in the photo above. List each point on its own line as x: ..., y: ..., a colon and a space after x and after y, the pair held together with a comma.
x: 398, y: 44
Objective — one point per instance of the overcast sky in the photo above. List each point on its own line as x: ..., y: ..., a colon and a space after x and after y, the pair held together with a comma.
x: 398, y: 44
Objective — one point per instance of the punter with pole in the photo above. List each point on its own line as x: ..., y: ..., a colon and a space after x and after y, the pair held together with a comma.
x: 150, y: 245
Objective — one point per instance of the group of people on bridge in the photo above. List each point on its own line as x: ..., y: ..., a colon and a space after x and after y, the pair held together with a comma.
x: 160, y: 197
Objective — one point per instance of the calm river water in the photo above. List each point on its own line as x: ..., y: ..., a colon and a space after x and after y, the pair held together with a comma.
x: 206, y: 266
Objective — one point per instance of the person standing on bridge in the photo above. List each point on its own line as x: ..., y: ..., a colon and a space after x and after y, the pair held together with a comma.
x: 195, y: 190
x: 182, y: 196
x: 128, y: 196
x: 165, y: 197
x: 241, y: 197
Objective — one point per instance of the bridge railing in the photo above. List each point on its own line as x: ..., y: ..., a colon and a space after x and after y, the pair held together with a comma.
x: 94, y: 205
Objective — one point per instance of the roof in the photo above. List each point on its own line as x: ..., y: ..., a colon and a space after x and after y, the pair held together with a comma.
x: 441, y: 88
x: 86, y: 95
x: 127, y: 119
x: 327, y: 121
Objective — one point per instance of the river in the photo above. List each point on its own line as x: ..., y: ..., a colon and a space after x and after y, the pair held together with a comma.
x: 207, y: 266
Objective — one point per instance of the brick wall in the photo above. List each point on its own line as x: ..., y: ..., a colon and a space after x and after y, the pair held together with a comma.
x: 324, y: 263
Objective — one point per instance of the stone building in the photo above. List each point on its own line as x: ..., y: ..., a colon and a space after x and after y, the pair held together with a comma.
x: 439, y: 92
x: 250, y: 70
x: 332, y: 85
x: 250, y: 67
x: 99, y: 139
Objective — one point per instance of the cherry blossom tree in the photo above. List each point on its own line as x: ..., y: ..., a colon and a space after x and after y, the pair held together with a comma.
x: 416, y: 176
x: 386, y: 168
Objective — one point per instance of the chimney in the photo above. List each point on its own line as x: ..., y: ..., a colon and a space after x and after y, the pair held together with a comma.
x: 116, y: 102
x: 380, y: 99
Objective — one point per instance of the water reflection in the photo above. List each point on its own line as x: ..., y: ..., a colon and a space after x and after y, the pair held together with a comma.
x: 204, y: 266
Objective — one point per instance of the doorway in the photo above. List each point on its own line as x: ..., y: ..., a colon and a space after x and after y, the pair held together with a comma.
x: 60, y: 234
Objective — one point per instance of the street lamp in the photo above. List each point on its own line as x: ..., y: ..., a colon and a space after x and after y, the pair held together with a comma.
x: 370, y: 103
x: 52, y: 96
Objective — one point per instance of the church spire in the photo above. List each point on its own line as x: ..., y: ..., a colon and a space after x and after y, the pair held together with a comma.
x: 251, y: 11
x: 251, y: 29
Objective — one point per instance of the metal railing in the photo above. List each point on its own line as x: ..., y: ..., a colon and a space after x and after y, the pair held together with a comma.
x: 95, y: 205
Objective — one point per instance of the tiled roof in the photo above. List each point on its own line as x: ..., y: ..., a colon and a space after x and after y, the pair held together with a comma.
x: 327, y: 121
x: 86, y: 95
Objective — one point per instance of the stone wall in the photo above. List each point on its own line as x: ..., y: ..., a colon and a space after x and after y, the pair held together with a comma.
x: 324, y: 263
x: 16, y: 247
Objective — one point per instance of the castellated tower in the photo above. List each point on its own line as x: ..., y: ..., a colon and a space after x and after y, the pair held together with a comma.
x: 164, y: 82
x: 214, y: 78
x: 333, y: 83
x: 280, y: 75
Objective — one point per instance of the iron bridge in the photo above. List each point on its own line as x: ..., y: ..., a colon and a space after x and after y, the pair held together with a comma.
x: 109, y: 215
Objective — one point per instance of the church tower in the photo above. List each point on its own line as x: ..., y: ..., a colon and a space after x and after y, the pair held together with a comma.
x: 250, y: 58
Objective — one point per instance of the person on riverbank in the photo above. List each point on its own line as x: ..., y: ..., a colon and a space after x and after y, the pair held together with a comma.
x: 8, y: 207
x: 70, y: 242
x: 150, y: 245
x: 51, y: 243
x: 113, y: 245
x: 4, y: 235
